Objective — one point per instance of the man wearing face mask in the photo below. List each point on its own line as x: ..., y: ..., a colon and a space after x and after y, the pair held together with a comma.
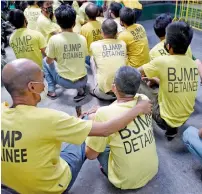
x: 46, y: 21
x: 32, y: 136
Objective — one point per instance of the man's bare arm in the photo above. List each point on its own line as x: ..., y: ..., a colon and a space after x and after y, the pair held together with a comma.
x: 91, y: 154
x: 49, y: 60
x: 43, y: 52
x: 109, y: 127
x: 200, y: 133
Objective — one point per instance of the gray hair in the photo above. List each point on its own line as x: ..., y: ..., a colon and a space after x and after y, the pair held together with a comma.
x: 127, y: 80
x: 109, y: 27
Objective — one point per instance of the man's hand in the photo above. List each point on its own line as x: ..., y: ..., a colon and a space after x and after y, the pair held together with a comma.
x: 151, y: 81
x: 144, y: 106
x: 200, y: 133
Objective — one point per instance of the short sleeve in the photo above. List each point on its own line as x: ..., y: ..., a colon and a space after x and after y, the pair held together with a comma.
x: 71, y: 129
x: 123, y: 36
x: 42, y: 42
x: 50, y: 49
x: 151, y: 69
x: 85, y: 46
x: 98, y: 144
x: 52, y: 27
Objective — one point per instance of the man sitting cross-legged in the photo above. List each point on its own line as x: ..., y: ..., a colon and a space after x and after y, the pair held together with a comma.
x: 178, y: 76
x: 109, y: 54
x: 32, y: 136
x: 128, y: 157
x: 70, y: 50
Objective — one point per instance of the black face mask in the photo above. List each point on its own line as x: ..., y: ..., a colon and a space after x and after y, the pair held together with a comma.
x: 49, y: 9
x: 166, y: 47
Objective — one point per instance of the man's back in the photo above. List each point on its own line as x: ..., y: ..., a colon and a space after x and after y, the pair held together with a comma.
x: 92, y: 32
x: 46, y: 26
x: 159, y: 50
x: 70, y: 50
x: 31, y: 143
x: 109, y: 56
x: 133, y: 159
x: 178, y: 76
x: 137, y: 45
x: 27, y: 43
x: 32, y: 14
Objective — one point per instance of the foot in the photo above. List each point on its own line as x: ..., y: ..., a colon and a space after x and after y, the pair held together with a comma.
x: 171, y: 134
x: 79, y: 97
x: 52, y: 95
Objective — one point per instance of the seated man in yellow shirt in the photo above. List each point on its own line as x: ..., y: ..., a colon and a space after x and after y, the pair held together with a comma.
x: 128, y: 157
x: 114, y: 11
x: 32, y: 13
x: 26, y: 43
x: 45, y: 22
x: 135, y: 38
x: 135, y: 5
x: 70, y: 51
x: 160, y: 25
x: 178, y: 77
x: 32, y: 137
x: 92, y: 29
x: 109, y: 55
x: 82, y: 11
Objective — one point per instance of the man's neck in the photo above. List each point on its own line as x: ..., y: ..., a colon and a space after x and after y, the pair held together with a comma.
x: 106, y: 37
x: 91, y: 20
x: 125, y: 99
x: 67, y: 30
x: 162, y: 38
x: 25, y: 100
x: 46, y: 14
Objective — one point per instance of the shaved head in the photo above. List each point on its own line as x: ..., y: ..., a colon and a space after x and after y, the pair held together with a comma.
x: 109, y: 28
x: 17, y: 74
x: 92, y: 11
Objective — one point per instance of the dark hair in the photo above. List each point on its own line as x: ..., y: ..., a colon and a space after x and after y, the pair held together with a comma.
x: 127, y: 16
x: 40, y: 3
x: 161, y: 23
x: 65, y: 16
x: 115, y: 8
x: 178, y: 36
x: 100, y: 11
x: 91, y: 11
x: 66, y: 2
x: 16, y: 18
x: 127, y: 80
x: 31, y: 2
x: 109, y: 28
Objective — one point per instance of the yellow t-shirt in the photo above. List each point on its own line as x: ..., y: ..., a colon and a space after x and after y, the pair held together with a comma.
x: 178, y: 76
x: 70, y: 50
x: 82, y: 13
x: 137, y: 45
x: 77, y: 27
x: 92, y: 32
x: 46, y: 27
x: 31, y: 143
x: 100, y: 19
x: 131, y: 3
x: 133, y: 159
x: 158, y: 50
x: 27, y: 43
x: 119, y: 27
x: 109, y: 56
x: 32, y: 13
x: 75, y: 5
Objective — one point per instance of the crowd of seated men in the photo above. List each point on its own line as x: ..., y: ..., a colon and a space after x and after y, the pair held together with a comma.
x: 44, y: 149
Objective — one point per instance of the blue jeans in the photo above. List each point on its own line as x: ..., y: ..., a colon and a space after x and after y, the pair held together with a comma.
x: 87, y: 60
x: 75, y: 156
x: 193, y: 141
x: 103, y: 160
x: 53, y: 78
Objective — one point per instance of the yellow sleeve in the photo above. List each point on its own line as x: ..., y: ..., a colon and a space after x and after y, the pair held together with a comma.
x: 82, y: 16
x: 123, y: 36
x: 42, y: 42
x: 71, y: 129
x: 98, y: 144
x: 52, y: 27
x: 85, y: 46
x: 151, y: 69
x: 50, y: 49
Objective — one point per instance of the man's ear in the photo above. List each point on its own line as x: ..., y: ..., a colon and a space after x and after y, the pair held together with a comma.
x: 114, y: 88
x: 31, y: 87
x: 121, y: 23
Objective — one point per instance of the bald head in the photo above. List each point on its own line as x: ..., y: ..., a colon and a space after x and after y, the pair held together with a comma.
x: 17, y: 74
x: 109, y: 28
x: 92, y: 11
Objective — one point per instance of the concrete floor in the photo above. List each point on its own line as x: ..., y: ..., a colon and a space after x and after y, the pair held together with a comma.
x: 179, y: 172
